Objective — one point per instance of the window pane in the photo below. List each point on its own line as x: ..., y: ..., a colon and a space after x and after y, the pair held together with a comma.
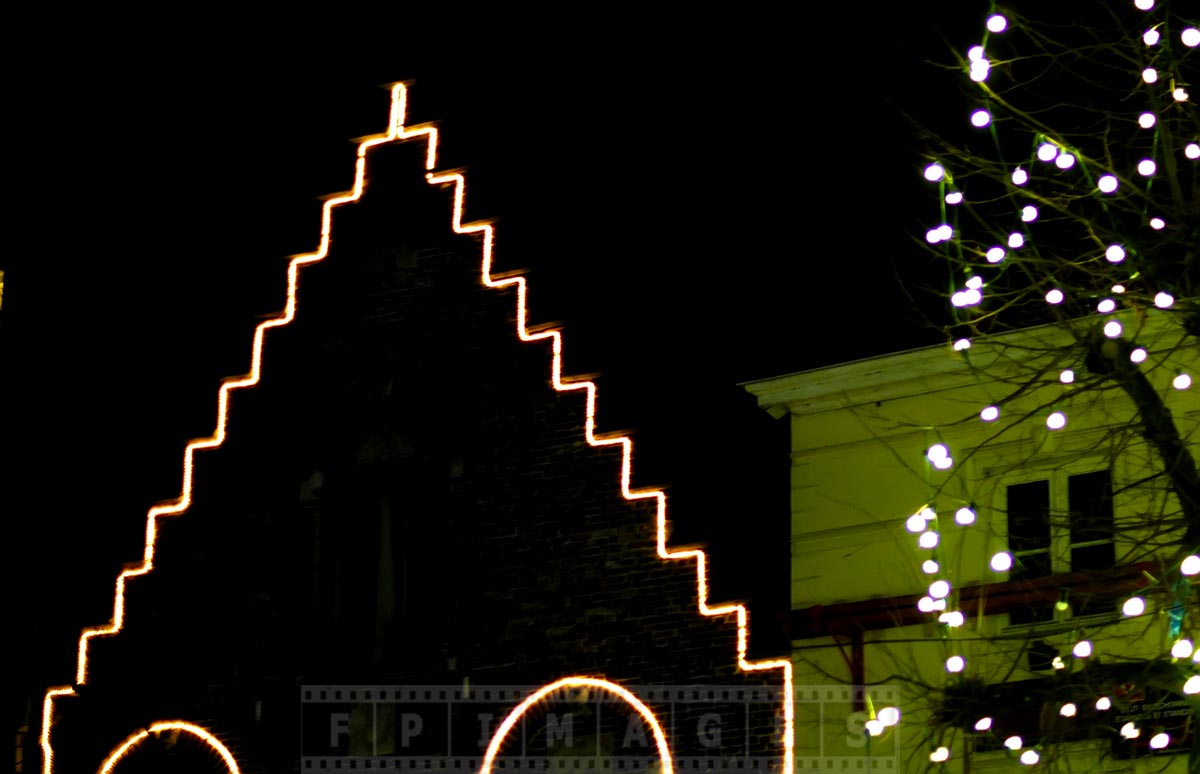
x: 1089, y: 497
x: 1029, y: 516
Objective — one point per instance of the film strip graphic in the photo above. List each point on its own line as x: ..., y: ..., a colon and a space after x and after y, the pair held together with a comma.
x: 447, y: 728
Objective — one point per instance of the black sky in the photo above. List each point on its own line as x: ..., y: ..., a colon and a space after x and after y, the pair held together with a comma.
x: 700, y: 200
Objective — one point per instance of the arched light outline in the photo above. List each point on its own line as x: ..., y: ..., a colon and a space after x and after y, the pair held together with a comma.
x: 135, y: 740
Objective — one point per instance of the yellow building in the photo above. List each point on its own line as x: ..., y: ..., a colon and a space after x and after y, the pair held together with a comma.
x: 918, y: 477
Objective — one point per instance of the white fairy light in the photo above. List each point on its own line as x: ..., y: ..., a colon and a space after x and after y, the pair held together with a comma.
x: 1118, y: 289
x: 1130, y: 731
x: 980, y: 118
x: 933, y: 236
x: 1190, y: 37
x: 915, y: 523
x: 1158, y: 224
x: 934, y: 172
x: 930, y: 567
x: 962, y: 344
x: 945, y: 231
x: 1115, y: 253
x: 1047, y: 152
x: 873, y: 727
x: 1030, y: 757
x: 990, y: 413
x: 954, y: 197
x: 1179, y: 94
x: 1056, y: 421
x: 956, y: 664
x: 1067, y: 710
x: 1147, y: 167
x: 1190, y: 565
x: 1143, y: 5
x: 1192, y: 685
x: 1106, y: 306
x: 925, y: 604
x: 1150, y: 75
x: 1057, y: 663
x: 979, y: 70
x: 1182, y: 648
x: 1020, y: 176
x: 1182, y: 382
x: 1002, y: 562
x: 1163, y: 299
x: 997, y: 23
x: 1029, y: 213
x: 1147, y: 120
x: 975, y: 53
x: 995, y: 254
x: 889, y: 716
x: 1192, y: 150
x: 1107, y: 183
x: 1134, y: 606
x: 1113, y: 329
x: 1151, y: 37
x: 1160, y: 740
x: 975, y: 282
x: 952, y: 619
x: 937, y: 451
x: 1064, y: 161
x: 939, y: 589
x: 1016, y: 240
x: 1054, y: 296
x: 1013, y: 743
x: 1067, y: 376
x: 940, y: 754
x: 965, y: 516
x: 1138, y: 355
x: 1082, y: 649
x: 928, y: 539
x: 1103, y: 703
x: 983, y: 724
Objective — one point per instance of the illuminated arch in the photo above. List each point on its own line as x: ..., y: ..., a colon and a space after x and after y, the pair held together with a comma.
x: 660, y: 737
x: 135, y: 740
x: 397, y: 131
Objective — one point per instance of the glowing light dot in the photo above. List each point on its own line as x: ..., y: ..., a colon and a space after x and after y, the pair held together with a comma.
x: 928, y: 539
x: 974, y: 53
x: 1015, y: 240
x: 1115, y: 253
x: 1056, y: 421
x: 1113, y: 329
x: 1013, y: 743
x: 983, y: 724
x: 1182, y: 648
x: 1130, y: 731
x: 1180, y: 94
x: 962, y: 344
x: 940, y: 755
x: 930, y: 567
x: 975, y: 283
x: 937, y: 451
x: 1181, y: 382
x: 1067, y: 710
x: 981, y: 118
x: 1082, y: 649
x: 1067, y: 376
x: 1106, y: 306
x: 1103, y: 703
x: 915, y: 523
x: 1020, y: 176
x: 1158, y: 224
x: 1002, y: 562
x: 939, y: 589
x: 1150, y: 75
x: 954, y: 197
x: 956, y: 664
x: 874, y: 727
x: 979, y: 70
x: 1047, y: 151
x: 1151, y: 37
x: 928, y: 514
x: 1064, y: 161
x: 1137, y: 356
x: 1118, y: 289
x: 1147, y: 167
x: 933, y: 236
x: 1030, y: 757
x: 1163, y: 300
x: 934, y: 172
x: 952, y: 619
x: 1190, y: 37
x: 925, y: 604
x: 1054, y: 296
x: 944, y: 464
x: 889, y: 716
x: 1192, y: 685
x: 1107, y: 183
x: 1143, y: 5
x: 995, y: 254
x: 1134, y: 606
x: 1147, y: 120
x: 945, y: 232
x: 990, y: 414
x: 1029, y: 213
x: 1057, y: 663
x: 1160, y: 740
x: 1190, y: 565
x: 964, y: 516
x: 997, y: 23
x: 1192, y: 150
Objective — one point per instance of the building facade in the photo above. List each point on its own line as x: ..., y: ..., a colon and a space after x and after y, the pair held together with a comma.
x: 975, y: 532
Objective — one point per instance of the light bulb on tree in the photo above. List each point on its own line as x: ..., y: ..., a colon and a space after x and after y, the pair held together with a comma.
x: 940, y: 755
x: 1082, y: 649
x: 1151, y: 37
x: 1192, y: 150
x: 1067, y: 710
x: 1190, y: 36
x: 1182, y: 648
x: 1029, y: 213
x: 928, y: 540
x: 1150, y: 75
x: 1065, y: 161
x: 990, y: 414
x: 979, y: 70
x: 1013, y: 743
x: 1016, y: 240
x: 1114, y: 254
x: 1056, y: 421
x: 925, y: 604
x: 1147, y: 120
x: 995, y: 254
x: 935, y: 172
x: 1147, y: 167
x: 1190, y: 565
x: 1105, y: 306
x: 1030, y: 757
x: 1192, y: 686
x: 1158, y: 224
x: 1134, y: 606
x: 939, y: 589
x: 1182, y: 382
x: 1130, y: 731
x: 962, y: 344
x: 1002, y: 562
x: 1103, y: 704
x: 983, y: 724
x: 1163, y: 300
x: 1113, y: 329
x: 1020, y: 176
x: 997, y: 23
x: 964, y: 516
x: 1160, y: 740
x: 952, y: 619
x: 874, y: 727
x: 915, y: 523
x: 1047, y: 152
x: 930, y: 567
x: 1067, y: 376
x: 1179, y: 94
x: 1138, y: 355
x: 889, y: 716
x: 1107, y: 183
x: 954, y: 197
x: 956, y: 664
x: 980, y: 118
x: 1143, y: 5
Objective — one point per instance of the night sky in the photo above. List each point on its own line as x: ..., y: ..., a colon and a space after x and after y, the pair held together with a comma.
x: 700, y: 200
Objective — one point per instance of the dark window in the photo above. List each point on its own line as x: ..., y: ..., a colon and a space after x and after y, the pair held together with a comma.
x: 1029, y: 541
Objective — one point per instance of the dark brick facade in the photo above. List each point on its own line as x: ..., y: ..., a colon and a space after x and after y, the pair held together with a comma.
x: 401, y: 429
